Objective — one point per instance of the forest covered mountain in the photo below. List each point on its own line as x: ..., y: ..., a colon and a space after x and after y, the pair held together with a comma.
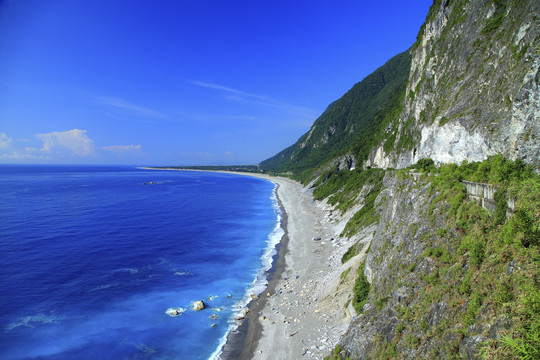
x: 353, y: 124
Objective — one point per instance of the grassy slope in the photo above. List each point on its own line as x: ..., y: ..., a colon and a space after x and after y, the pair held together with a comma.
x: 486, y: 266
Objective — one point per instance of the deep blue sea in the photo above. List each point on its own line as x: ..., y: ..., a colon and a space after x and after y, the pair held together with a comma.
x: 92, y: 259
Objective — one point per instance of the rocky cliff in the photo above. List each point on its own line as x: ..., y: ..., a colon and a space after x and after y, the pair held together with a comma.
x: 473, y: 89
x: 444, y: 277
x: 467, y: 89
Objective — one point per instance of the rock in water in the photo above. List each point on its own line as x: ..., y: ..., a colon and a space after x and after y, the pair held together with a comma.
x: 198, y: 305
x: 174, y: 311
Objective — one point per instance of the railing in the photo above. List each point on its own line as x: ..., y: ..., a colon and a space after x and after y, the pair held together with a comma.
x: 484, y: 195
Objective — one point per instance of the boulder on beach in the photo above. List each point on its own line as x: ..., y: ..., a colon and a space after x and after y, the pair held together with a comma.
x: 198, y: 305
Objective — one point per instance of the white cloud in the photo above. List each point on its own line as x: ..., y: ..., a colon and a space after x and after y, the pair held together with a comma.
x: 128, y: 108
x: 5, y: 141
x: 262, y: 100
x: 223, y: 88
x: 10, y: 153
x: 75, y: 141
x: 26, y: 154
x: 122, y: 149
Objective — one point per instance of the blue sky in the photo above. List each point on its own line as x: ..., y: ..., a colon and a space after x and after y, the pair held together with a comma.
x: 182, y: 82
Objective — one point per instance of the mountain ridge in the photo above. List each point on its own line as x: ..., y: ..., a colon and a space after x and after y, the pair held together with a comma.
x: 459, y: 99
x: 342, y: 127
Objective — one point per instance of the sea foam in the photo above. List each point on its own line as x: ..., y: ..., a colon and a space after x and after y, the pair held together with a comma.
x: 260, y: 282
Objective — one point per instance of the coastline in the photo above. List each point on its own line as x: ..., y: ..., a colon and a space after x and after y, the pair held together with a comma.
x: 301, y: 312
x: 241, y: 342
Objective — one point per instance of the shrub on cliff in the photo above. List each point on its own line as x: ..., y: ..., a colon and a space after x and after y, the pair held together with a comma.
x: 501, y: 255
x: 361, y: 290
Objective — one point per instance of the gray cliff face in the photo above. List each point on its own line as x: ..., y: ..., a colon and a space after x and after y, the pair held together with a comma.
x: 401, y: 207
x: 399, y: 312
x: 473, y: 91
x: 473, y: 88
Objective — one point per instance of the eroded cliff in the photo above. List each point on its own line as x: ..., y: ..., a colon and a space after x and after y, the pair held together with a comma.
x: 448, y: 275
x: 473, y: 89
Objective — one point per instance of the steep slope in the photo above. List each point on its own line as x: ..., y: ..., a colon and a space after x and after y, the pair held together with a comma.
x: 470, y: 90
x: 445, y: 276
x: 473, y: 89
x: 351, y: 124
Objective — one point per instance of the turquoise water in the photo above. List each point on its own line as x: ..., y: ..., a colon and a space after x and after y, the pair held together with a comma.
x: 93, y: 258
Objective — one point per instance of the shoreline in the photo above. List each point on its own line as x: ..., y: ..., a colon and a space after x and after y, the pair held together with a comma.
x: 241, y: 342
x: 301, y: 312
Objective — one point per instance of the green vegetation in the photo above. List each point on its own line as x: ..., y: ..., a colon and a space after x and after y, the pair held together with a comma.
x: 484, y: 266
x: 355, y: 123
x: 412, y: 341
x: 500, y: 257
x: 350, y: 253
x: 384, y: 349
x: 344, y: 274
x: 430, y: 16
x: 425, y: 165
x: 343, y: 187
x: 361, y: 290
x: 336, y: 354
x: 367, y: 215
x: 239, y: 168
x: 497, y: 19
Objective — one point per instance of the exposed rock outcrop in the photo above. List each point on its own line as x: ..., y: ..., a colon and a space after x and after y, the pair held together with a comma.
x: 399, y: 269
x: 473, y: 88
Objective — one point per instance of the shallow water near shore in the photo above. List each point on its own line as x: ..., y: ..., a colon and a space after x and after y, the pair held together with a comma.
x: 93, y: 257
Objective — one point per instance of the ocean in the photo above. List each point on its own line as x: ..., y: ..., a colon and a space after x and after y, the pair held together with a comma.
x: 102, y: 262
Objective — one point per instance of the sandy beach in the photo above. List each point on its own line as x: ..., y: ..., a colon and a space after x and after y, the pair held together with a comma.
x: 302, y: 312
